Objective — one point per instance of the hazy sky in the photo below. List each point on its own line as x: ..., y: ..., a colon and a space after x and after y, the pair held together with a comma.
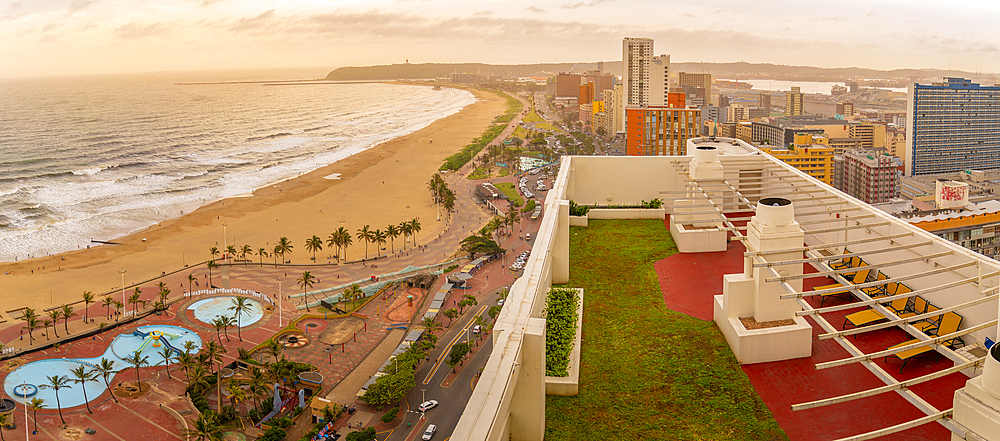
x: 53, y: 37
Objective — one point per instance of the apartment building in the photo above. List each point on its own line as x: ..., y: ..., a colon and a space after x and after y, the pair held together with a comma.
x: 794, y: 102
x: 637, y: 54
x: 660, y: 131
x: 816, y: 160
x: 869, y: 176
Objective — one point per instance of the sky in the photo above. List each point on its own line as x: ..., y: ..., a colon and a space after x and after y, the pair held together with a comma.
x: 63, y: 37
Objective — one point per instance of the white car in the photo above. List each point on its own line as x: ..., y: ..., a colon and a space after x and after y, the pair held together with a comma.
x: 427, y: 405
x: 500, y: 302
x: 429, y: 432
x: 476, y: 329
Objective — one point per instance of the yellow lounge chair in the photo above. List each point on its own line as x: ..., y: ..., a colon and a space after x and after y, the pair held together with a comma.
x: 948, y: 324
x: 919, y: 307
x: 858, y: 277
x: 877, y: 291
x: 871, y: 316
x: 930, y: 323
x: 907, y: 355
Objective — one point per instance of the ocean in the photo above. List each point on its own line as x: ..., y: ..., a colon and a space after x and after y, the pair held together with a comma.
x: 95, y: 158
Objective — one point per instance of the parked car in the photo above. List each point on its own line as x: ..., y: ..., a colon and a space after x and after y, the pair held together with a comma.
x: 476, y: 329
x: 429, y: 432
x: 500, y: 302
x: 427, y: 405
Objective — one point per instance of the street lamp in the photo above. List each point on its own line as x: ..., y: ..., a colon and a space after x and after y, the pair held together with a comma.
x: 279, y: 301
x: 225, y: 240
x: 122, y: 272
x: 407, y: 211
x: 423, y: 399
x: 24, y: 387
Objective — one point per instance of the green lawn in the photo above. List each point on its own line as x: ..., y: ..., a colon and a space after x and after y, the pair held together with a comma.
x: 480, y: 173
x: 647, y: 372
x: 532, y: 117
x: 508, y: 189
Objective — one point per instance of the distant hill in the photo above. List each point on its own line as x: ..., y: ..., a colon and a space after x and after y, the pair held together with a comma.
x: 739, y: 70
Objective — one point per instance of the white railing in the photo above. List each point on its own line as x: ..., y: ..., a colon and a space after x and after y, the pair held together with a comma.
x: 237, y: 291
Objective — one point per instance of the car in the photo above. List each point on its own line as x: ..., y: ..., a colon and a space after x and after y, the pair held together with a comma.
x: 476, y: 329
x: 500, y: 302
x: 427, y: 405
x: 429, y: 432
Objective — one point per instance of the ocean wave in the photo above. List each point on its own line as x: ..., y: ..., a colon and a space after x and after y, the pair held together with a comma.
x: 88, y: 171
x: 271, y: 136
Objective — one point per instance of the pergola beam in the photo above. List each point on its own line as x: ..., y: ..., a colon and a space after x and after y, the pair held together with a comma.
x: 919, y: 344
x: 857, y: 254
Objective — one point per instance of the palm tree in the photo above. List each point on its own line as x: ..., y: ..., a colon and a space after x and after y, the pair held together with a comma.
x: 227, y: 321
x: 306, y: 282
x: 262, y: 252
x: 3, y: 422
x: 205, y: 428
x: 137, y: 360
x: 333, y: 240
x: 119, y: 306
x: 393, y: 232
x: 88, y: 298
x: 197, y: 376
x: 30, y: 322
x: 134, y: 298
x: 57, y: 382
x: 54, y: 314
x: 190, y: 282
x: 241, y: 306
x: 404, y: 227
x: 33, y: 405
x: 82, y: 376
x: 285, y: 247
x: 67, y: 313
x: 186, y: 360
x: 230, y: 253
x: 345, y: 240
x: 378, y: 236
x: 314, y: 244
x: 243, y: 253
x: 218, y: 323
x: 274, y: 348
x: 106, y: 301
x: 365, y: 235
x: 167, y: 354
x: 481, y: 322
x: 214, y: 252
x: 275, y: 253
x: 211, y: 264
x: 414, y: 228
x: 258, y: 384
x: 431, y: 325
x: 236, y: 393
x: 163, y: 294
x: 354, y: 292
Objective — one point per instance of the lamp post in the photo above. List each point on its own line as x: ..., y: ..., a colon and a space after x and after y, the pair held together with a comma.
x: 279, y: 301
x: 407, y: 211
x: 423, y: 400
x: 122, y: 272
x: 24, y: 387
x: 225, y: 240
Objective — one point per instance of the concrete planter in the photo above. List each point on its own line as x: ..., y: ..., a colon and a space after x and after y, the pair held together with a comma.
x: 570, y: 384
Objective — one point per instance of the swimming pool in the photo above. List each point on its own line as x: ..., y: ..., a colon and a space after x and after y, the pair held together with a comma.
x: 150, y: 339
x: 207, y: 310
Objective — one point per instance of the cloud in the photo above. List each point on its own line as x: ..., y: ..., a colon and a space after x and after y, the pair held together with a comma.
x: 208, y: 2
x: 51, y: 26
x: 582, y: 4
x: 80, y: 5
x: 253, y: 23
x: 688, y: 15
x: 134, y: 30
x: 535, y: 9
x: 482, y: 13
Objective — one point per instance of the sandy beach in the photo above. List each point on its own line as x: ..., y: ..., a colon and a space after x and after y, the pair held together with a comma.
x: 371, y: 188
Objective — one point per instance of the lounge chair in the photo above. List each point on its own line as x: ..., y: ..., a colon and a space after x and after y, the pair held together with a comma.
x: 843, y: 263
x: 858, y: 277
x: 877, y: 291
x: 930, y: 323
x: 871, y: 316
x: 919, y: 307
x: 948, y: 324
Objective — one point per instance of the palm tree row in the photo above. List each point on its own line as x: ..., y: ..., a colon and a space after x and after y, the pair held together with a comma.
x: 32, y: 322
x: 443, y: 196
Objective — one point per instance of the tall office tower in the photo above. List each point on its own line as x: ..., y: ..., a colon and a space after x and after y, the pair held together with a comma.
x: 846, y: 109
x: 659, y: 80
x: 952, y: 127
x: 697, y: 81
x: 793, y: 102
x: 587, y: 93
x: 568, y: 85
x: 637, y: 53
x: 660, y: 131
x: 764, y: 101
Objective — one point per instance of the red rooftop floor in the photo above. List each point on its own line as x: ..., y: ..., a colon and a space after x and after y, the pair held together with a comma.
x: 784, y: 383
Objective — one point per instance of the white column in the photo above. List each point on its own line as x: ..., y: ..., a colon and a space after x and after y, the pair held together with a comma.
x: 527, y: 405
x: 560, y: 246
x: 774, y: 228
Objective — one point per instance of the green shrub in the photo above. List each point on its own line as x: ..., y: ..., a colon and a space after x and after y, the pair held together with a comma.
x: 577, y: 210
x: 560, y: 329
x: 529, y: 207
x: 273, y: 434
x: 450, y: 268
x: 390, y: 415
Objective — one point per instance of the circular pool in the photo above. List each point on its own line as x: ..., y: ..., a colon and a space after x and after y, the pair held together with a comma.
x: 29, y: 380
x: 207, y: 310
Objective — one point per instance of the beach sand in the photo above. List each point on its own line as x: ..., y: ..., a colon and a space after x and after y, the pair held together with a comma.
x: 374, y: 188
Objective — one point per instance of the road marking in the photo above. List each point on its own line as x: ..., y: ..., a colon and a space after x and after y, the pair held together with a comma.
x: 447, y: 349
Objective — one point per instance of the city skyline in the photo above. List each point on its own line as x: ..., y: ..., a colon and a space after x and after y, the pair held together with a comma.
x: 48, y: 37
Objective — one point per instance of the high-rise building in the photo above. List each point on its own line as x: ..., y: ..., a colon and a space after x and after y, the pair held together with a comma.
x: 696, y: 80
x: 794, y: 101
x: 602, y: 82
x: 659, y: 80
x: 567, y: 85
x: 869, y: 176
x: 952, y: 127
x: 586, y: 93
x: 846, y: 109
x: 660, y: 131
x: 637, y: 54
x: 614, y: 109
x: 723, y: 100
x: 864, y: 132
x: 764, y: 101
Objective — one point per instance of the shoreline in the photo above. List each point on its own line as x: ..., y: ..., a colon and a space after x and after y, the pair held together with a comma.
x: 373, y: 188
